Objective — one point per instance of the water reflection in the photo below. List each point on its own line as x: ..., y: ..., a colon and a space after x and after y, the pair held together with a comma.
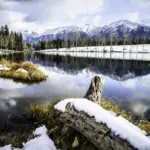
x: 127, y: 83
x: 118, y: 69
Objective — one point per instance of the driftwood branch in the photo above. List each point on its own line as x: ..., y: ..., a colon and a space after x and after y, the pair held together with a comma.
x: 98, y: 134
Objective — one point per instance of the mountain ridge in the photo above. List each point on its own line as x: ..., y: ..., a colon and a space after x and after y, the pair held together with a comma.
x: 117, y: 29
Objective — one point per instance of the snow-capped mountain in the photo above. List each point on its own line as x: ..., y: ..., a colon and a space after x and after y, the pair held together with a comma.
x: 29, y: 36
x: 88, y: 28
x: 117, y: 29
x: 125, y: 23
x: 63, y: 30
x: 69, y: 32
x: 123, y: 28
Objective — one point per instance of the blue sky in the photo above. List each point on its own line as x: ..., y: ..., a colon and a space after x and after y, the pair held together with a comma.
x: 39, y: 15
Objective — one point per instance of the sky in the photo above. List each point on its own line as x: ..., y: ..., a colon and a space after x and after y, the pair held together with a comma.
x: 40, y: 15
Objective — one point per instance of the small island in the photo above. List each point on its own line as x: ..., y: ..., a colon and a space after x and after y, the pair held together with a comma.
x: 24, y: 72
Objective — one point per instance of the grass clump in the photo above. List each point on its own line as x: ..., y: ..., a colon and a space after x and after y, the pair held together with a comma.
x: 44, y: 114
x: 144, y: 125
x: 108, y: 105
x: 47, y: 115
x: 33, y: 74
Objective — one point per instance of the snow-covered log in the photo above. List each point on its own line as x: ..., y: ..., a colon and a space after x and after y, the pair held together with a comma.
x: 104, y: 129
x: 96, y: 133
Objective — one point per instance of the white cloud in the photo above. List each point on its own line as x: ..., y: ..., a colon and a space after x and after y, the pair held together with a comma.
x: 8, y: 17
x: 46, y: 14
x: 97, y: 20
x: 141, y: 3
x: 139, y: 108
x: 146, y: 19
x: 134, y: 17
x: 14, y: 20
x: 83, y: 6
x: 63, y: 11
x: 7, y: 4
x: 130, y: 84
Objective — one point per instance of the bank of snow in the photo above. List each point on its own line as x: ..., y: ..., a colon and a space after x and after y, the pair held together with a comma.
x: 41, y: 142
x: 129, y: 52
x: 118, y: 125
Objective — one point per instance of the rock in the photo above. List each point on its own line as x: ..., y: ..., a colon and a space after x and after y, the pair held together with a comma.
x: 4, y: 68
x: 95, y: 90
x: 22, y: 70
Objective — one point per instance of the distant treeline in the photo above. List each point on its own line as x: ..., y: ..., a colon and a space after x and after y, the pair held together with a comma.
x: 10, y: 40
x: 56, y: 44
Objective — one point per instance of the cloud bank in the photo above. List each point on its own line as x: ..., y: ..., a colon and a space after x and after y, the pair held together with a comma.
x: 38, y: 15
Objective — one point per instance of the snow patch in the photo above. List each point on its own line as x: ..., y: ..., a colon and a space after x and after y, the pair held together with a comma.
x: 42, y: 142
x: 118, y: 125
x: 40, y: 131
x: 8, y: 147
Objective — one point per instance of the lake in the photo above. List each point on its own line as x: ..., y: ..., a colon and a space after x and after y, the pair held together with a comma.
x: 127, y: 82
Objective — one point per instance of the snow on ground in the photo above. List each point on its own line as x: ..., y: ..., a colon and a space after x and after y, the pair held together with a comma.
x: 118, y: 125
x: 5, y: 52
x: 9, y: 147
x: 42, y: 142
x: 98, y: 52
x: 114, y: 55
x: 3, y: 67
x: 108, y: 48
x: 22, y: 70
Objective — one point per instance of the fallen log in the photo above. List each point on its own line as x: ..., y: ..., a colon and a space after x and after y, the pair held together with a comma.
x: 96, y: 133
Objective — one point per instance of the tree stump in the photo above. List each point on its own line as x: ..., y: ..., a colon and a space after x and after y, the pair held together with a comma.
x: 95, y: 90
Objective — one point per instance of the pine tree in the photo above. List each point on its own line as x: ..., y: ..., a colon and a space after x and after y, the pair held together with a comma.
x: 10, y: 40
x: 6, y: 30
x: 21, y: 42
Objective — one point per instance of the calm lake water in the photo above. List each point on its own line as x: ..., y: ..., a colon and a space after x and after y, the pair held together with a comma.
x: 127, y: 83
